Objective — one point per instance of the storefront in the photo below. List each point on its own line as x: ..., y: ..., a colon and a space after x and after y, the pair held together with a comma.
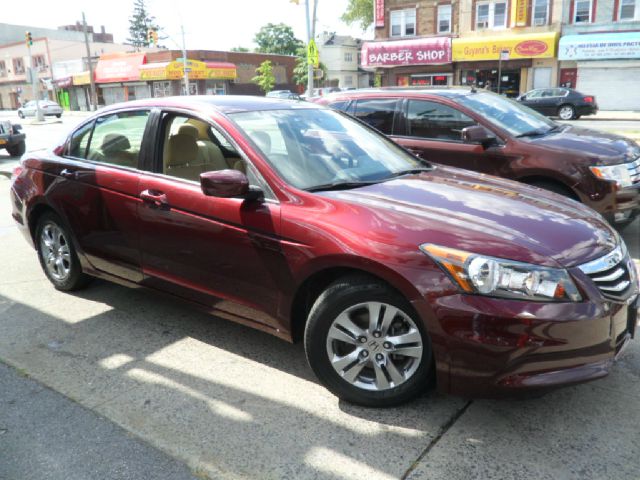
x: 423, y: 61
x: 603, y: 65
x: 118, y: 78
x: 167, y: 78
x: 528, y: 61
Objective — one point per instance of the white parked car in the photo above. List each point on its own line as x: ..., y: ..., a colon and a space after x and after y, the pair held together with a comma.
x: 47, y: 106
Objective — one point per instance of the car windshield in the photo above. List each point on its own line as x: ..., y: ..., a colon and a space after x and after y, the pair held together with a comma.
x: 317, y: 149
x: 506, y: 113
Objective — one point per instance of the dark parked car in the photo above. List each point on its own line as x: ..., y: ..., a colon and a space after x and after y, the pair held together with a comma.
x: 565, y: 103
x: 288, y: 94
x: 302, y: 222
x: 12, y: 138
x: 482, y: 131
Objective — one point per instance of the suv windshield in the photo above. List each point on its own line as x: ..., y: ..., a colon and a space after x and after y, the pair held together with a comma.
x: 317, y: 149
x: 506, y: 114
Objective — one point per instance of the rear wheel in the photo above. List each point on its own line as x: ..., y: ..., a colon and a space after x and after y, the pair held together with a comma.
x: 58, y: 115
x: 57, y: 254
x: 17, y: 150
x: 567, y: 112
x: 20, y: 114
x: 366, y: 344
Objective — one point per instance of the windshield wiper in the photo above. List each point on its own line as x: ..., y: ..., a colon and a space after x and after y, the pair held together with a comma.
x: 409, y: 171
x: 340, y: 186
x: 534, y: 133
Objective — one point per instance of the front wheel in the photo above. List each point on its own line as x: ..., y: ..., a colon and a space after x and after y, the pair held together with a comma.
x: 58, y: 115
x: 366, y: 344
x: 57, y: 254
x: 17, y: 150
x: 567, y: 112
x: 20, y: 114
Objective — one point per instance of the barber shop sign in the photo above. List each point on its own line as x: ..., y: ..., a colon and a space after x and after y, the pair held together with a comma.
x: 421, y: 51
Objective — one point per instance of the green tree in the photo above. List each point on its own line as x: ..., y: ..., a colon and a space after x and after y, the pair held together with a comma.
x: 300, y: 70
x: 277, y: 38
x: 359, y: 11
x: 140, y: 22
x: 240, y: 49
x: 265, y: 78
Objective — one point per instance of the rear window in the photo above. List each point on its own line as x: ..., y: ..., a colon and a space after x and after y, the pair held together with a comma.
x: 377, y: 112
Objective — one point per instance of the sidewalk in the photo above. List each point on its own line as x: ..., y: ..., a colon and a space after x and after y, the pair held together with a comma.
x: 615, y: 115
x: 46, y: 436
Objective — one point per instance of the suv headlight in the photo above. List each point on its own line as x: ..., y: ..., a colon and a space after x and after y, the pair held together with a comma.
x: 617, y: 173
x: 498, y: 277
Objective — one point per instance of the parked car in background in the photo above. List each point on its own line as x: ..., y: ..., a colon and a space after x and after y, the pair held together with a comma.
x: 48, y: 108
x: 304, y: 223
x: 565, y: 103
x: 12, y: 139
x: 283, y: 94
x: 489, y: 133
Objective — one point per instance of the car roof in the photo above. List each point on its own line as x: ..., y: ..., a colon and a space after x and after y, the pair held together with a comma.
x: 222, y: 103
x: 449, y: 92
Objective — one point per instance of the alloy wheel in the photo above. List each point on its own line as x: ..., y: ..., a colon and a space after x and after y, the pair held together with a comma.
x: 374, y: 346
x: 566, y: 112
x: 55, y: 252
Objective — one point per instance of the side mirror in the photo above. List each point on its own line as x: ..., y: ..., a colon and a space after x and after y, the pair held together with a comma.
x: 521, y: 98
x: 228, y: 184
x: 478, y: 134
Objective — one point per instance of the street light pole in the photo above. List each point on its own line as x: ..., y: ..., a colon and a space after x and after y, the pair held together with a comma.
x: 309, y: 64
x: 92, y: 82
x: 184, y: 63
x: 34, y: 85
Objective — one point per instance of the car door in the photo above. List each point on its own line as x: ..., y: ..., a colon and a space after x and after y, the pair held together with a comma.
x: 96, y: 190
x: 433, y: 131
x: 224, y: 253
x: 532, y: 99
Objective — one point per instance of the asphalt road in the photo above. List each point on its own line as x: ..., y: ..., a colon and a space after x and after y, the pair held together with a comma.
x: 234, y: 403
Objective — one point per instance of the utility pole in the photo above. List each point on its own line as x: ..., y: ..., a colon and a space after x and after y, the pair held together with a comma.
x: 184, y: 63
x: 93, y: 101
x: 309, y: 38
x: 34, y: 79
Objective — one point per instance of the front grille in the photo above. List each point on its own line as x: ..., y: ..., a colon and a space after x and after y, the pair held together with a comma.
x: 612, y: 274
x: 634, y: 170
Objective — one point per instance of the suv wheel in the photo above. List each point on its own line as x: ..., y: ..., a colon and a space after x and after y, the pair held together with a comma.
x: 57, y: 254
x: 366, y: 344
x: 567, y: 112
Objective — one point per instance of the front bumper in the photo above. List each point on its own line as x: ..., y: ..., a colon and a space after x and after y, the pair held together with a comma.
x: 491, y: 347
x: 11, y: 140
x: 627, y: 206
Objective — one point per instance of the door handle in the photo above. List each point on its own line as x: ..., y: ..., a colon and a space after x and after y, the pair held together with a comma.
x: 69, y: 174
x: 158, y: 199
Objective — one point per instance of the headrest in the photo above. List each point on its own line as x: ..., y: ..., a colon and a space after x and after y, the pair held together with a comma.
x: 263, y: 140
x: 201, y: 127
x: 190, y: 130
x: 114, y: 143
x: 183, y: 149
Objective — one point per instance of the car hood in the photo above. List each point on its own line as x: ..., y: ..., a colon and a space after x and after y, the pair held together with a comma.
x: 486, y: 215
x: 600, y: 147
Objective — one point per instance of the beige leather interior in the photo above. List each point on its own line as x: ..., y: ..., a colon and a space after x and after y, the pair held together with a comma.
x: 115, y: 149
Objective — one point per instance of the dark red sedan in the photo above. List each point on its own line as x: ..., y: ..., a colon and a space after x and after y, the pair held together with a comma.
x: 302, y: 222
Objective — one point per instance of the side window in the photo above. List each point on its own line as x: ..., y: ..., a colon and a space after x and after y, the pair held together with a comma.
x: 434, y: 120
x: 534, y: 94
x: 117, y: 138
x: 379, y: 113
x: 191, y: 147
x: 80, y: 141
x: 340, y: 105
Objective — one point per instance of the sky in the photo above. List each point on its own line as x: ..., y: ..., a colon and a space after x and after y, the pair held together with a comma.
x: 209, y: 24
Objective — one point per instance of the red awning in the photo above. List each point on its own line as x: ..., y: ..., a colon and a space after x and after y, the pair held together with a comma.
x: 119, y: 67
x: 220, y: 65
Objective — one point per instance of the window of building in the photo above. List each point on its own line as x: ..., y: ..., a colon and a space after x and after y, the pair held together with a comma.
x: 18, y: 66
x: 117, y: 138
x: 491, y: 15
x: 436, y: 121
x: 403, y: 22
x: 38, y: 62
x: 444, y: 18
x: 3, y: 68
x: 379, y: 113
x: 629, y: 10
x: 582, y: 11
x: 348, y: 57
x: 214, y: 87
x: 540, y: 12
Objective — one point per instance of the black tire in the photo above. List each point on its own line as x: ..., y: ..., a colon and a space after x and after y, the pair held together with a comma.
x: 58, y: 115
x: 555, y: 188
x: 17, y: 150
x: 20, y: 114
x: 567, y: 108
x: 339, y: 296
x: 76, y: 279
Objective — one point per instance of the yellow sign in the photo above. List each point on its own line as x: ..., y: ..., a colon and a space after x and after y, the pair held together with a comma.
x: 312, y: 54
x: 81, y: 79
x: 197, y: 71
x: 535, y: 45
x: 522, y: 9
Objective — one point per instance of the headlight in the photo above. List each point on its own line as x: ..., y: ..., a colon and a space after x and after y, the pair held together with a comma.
x: 617, y: 173
x: 497, y: 277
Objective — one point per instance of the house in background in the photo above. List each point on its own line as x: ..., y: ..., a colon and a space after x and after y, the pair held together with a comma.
x: 341, y: 55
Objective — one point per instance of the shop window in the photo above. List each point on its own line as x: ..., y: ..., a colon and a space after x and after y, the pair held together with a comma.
x: 582, y: 11
x: 444, y: 18
x: 403, y: 22
x: 215, y: 88
x: 3, y: 68
x: 540, y: 12
x: 162, y: 89
x: 491, y: 15
x: 429, y: 80
x: 379, y: 113
x: 629, y: 10
x: 436, y: 121
x: 18, y: 66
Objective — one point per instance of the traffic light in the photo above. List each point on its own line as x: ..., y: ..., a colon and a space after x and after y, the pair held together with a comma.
x: 28, y: 38
x: 152, y: 36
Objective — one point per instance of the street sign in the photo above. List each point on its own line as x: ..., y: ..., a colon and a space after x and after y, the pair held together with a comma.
x: 504, y: 55
x: 312, y: 54
x: 188, y: 69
